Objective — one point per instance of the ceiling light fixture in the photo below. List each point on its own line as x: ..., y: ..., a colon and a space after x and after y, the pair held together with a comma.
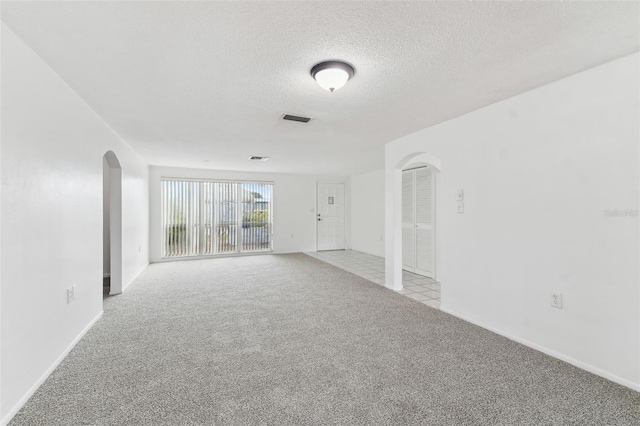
x: 332, y: 75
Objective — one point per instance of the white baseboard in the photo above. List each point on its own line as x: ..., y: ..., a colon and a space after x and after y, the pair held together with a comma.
x: 47, y: 373
x: 582, y: 365
x: 125, y: 287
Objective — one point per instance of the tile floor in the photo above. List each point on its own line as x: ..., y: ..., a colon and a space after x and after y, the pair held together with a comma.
x: 371, y: 267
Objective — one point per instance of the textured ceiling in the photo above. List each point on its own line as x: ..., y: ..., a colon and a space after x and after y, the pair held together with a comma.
x: 204, y: 84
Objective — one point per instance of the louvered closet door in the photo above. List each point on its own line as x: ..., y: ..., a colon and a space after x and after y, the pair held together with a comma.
x: 408, y: 226
x: 424, y: 222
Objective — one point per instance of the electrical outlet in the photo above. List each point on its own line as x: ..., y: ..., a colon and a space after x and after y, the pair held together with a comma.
x: 556, y: 300
x: 460, y: 195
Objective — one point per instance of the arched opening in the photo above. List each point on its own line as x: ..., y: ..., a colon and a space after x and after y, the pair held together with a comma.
x: 393, y: 213
x: 112, y: 224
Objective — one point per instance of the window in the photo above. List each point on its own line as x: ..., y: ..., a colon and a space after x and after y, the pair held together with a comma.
x: 202, y: 218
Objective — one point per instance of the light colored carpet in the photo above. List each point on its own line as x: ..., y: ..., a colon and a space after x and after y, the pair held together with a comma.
x: 290, y: 340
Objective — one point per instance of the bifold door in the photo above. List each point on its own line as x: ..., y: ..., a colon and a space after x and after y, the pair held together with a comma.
x: 418, y: 214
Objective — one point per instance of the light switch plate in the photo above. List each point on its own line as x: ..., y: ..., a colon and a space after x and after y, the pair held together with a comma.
x: 460, y: 194
x: 460, y: 207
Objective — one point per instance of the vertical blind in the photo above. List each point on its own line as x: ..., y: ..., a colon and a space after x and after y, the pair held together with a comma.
x: 209, y: 218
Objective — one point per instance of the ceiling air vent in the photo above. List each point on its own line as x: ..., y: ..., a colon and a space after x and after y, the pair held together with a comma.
x: 296, y: 118
x: 256, y: 158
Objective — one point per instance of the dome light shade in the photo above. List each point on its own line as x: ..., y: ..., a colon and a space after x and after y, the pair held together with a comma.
x: 332, y: 75
x: 332, y: 78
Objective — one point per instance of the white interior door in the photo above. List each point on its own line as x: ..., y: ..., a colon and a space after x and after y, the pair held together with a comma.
x: 330, y: 217
x: 424, y: 215
x: 418, y: 221
x: 408, y: 222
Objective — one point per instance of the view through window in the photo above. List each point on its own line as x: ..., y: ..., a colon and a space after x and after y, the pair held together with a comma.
x: 202, y: 218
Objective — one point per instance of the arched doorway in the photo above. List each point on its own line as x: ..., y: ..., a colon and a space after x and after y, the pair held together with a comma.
x: 112, y: 224
x: 393, y: 213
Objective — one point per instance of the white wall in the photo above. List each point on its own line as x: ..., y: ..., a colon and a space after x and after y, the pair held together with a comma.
x: 294, y: 210
x: 52, y: 157
x: 367, y: 213
x: 539, y: 171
